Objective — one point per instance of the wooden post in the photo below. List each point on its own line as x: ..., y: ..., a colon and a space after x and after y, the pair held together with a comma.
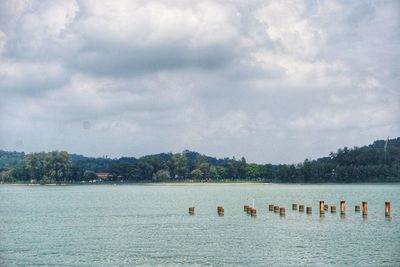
x: 253, y: 212
x: 365, y: 208
x: 387, y: 209
x: 191, y: 211
x: 309, y: 210
x: 271, y: 207
x: 245, y: 207
x: 282, y: 211
x: 220, y: 210
x: 321, y: 208
x: 294, y: 206
x: 333, y: 209
x: 249, y: 210
x: 342, y: 207
x: 326, y: 207
x: 357, y: 208
x: 276, y: 209
x: 301, y: 208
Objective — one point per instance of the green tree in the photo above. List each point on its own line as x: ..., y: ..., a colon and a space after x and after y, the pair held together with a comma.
x: 89, y: 175
x: 253, y: 171
x: 57, y: 165
x: 161, y: 175
x: 35, y: 165
x: 44, y: 180
x: 196, y: 174
x: 179, y: 166
x: 241, y: 168
x: 214, y: 173
x: 222, y: 172
x: 205, y: 169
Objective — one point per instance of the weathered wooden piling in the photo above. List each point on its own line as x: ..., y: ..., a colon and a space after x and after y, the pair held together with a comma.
x: 271, y: 207
x: 357, y: 208
x: 249, y: 210
x: 301, y: 208
x: 276, y: 209
x: 326, y: 207
x: 191, y: 211
x: 245, y: 207
x: 365, y: 208
x: 309, y: 210
x: 333, y: 209
x: 387, y: 209
x: 253, y: 212
x: 342, y: 207
x: 321, y: 208
x: 282, y: 211
x: 220, y: 210
x: 294, y: 206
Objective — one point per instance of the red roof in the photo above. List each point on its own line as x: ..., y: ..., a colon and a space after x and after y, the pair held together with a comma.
x: 102, y: 174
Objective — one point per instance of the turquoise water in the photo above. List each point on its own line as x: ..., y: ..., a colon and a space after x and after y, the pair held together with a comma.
x: 138, y: 225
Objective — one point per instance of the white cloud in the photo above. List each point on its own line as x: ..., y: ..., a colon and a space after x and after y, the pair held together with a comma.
x: 371, y: 83
x: 29, y: 77
x: 2, y: 41
x: 286, y: 24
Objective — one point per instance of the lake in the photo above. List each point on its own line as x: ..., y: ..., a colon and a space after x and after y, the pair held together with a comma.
x: 149, y: 225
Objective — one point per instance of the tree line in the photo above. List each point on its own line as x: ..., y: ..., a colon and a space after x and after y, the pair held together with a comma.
x: 378, y: 162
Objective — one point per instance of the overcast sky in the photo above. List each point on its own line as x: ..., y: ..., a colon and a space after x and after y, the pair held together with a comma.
x: 274, y: 81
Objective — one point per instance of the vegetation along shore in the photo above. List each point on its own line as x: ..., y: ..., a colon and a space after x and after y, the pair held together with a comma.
x: 377, y: 162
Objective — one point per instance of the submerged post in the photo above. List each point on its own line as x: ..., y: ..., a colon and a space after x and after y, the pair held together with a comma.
x: 333, y: 209
x: 326, y: 207
x: 282, y: 211
x: 276, y: 209
x: 253, y: 212
x: 245, y: 207
x: 321, y: 208
x: 301, y: 208
x: 357, y: 208
x: 365, y: 208
x: 342, y: 207
x: 191, y: 211
x: 249, y: 210
x: 294, y: 206
x: 220, y: 210
x: 271, y: 207
x: 309, y: 210
x: 387, y: 209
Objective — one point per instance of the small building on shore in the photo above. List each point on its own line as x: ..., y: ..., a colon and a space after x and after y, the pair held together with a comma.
x: 103, y: 176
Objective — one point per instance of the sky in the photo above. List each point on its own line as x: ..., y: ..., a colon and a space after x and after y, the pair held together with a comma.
x: 273, y: 81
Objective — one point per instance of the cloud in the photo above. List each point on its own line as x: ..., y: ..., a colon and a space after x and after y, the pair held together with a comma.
x: 272, y: 81
x: 30, y: 78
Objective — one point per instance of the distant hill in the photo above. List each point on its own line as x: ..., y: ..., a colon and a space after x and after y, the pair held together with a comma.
x: 10, y: 160
x: 377, y: 162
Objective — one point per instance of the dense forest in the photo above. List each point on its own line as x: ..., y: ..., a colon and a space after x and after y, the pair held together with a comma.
x: 378, y: 162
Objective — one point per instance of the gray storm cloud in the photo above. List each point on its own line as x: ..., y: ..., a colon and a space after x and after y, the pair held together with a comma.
x: 274, y: 81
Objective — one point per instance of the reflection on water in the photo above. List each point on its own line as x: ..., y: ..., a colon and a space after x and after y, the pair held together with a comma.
x: 150, y: 225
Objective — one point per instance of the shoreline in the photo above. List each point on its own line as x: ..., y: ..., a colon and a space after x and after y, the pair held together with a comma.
x: 145, y: 183
x: 191, y: 183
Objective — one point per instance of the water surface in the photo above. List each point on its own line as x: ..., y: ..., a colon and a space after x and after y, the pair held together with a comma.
x: 147, y: 225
